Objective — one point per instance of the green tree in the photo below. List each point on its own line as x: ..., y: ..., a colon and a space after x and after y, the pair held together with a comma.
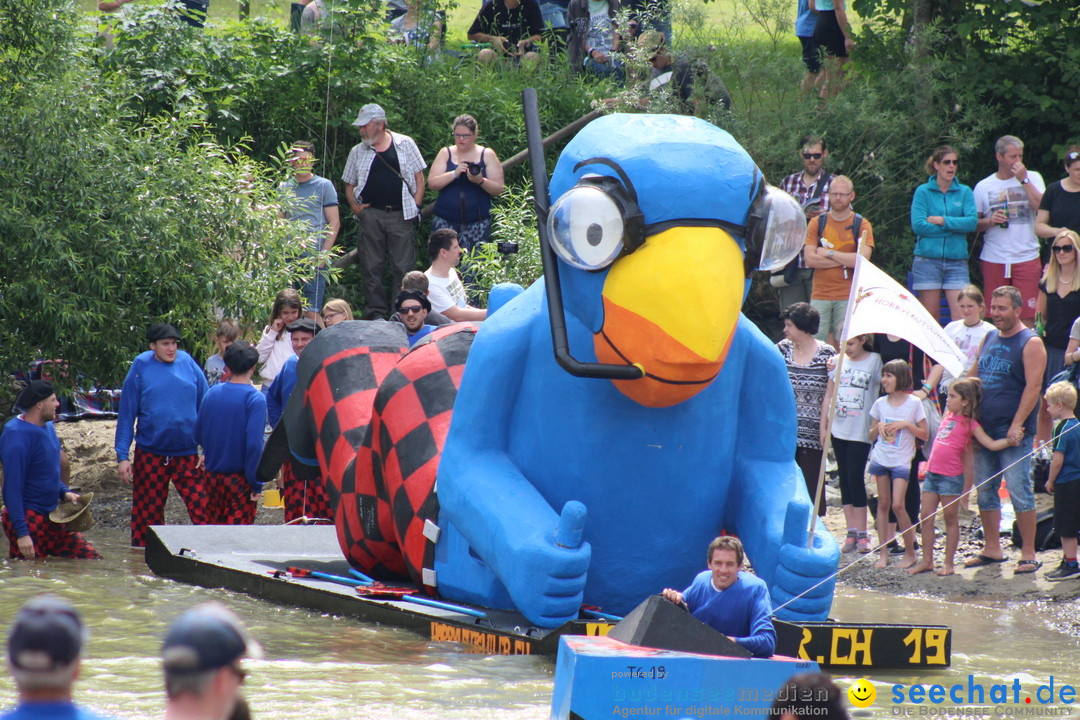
x: 110, y: 223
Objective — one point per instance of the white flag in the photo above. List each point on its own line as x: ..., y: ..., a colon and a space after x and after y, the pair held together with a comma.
x: 879, y: 304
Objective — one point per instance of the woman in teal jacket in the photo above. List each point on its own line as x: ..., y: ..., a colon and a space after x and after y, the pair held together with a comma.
x: 942, y: 214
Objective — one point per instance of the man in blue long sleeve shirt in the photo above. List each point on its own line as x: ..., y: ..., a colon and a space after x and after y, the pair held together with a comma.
x: 159, y: 405
x: 730, y: 601
x: 30, y: 453
x: 230, y: 432
x: 303, y: 497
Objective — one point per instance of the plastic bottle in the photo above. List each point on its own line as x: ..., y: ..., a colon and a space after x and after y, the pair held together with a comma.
x: 1005, y: 209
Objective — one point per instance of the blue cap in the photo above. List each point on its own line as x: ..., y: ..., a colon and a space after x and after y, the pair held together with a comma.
x: 206, y: 637
x: 46, y: 635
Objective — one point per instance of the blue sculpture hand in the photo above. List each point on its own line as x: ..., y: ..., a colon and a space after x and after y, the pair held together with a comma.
x: 549, y: 584
x: 804, y: 581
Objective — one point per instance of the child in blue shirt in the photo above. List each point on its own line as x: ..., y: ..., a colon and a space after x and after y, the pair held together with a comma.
x: 1064, y: 479
x: 230, y: 432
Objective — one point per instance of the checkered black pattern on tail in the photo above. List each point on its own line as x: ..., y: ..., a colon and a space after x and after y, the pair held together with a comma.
x: 408, y: 430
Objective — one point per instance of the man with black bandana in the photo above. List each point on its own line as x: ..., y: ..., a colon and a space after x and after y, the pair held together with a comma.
x: 30, y: 453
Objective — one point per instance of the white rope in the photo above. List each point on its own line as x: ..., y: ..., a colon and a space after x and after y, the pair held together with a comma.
x: 930, y: 517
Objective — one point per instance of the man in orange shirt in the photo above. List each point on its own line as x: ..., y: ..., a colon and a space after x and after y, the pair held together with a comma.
x: 830, y: 249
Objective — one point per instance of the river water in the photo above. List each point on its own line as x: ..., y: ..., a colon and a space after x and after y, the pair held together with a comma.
x: 323, y: 668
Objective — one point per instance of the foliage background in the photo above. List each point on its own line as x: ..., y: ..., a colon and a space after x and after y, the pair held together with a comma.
x: 126, y: 165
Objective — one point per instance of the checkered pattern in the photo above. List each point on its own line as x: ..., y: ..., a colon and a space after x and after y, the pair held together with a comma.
x: 391, y: 493
x: 303, y: 498
x: 49, y: 538
x: 229, y: 500
x: 151, y: 476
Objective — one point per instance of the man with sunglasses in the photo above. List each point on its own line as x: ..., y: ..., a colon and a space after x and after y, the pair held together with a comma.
x: 1008, y: 203
x: 811, y: 188
x: 202, y: 654
x: 412, y: 309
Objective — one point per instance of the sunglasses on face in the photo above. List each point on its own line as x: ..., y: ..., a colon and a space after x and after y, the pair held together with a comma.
x: 1063, y: 249
x: 950, y: 162
x: 411, y: 309
x: 813, y: 156
x: 463, y: 136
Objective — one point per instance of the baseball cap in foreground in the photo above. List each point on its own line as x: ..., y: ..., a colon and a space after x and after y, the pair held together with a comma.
x: 206, y: 637
x: 46, y: 635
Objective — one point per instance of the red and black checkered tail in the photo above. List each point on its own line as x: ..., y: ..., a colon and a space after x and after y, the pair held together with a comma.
x: 329, y: 411
x: 408, y: 431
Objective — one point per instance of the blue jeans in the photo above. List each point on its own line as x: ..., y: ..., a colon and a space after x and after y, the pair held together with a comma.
x: 990, y: 463
x: 938, y: 274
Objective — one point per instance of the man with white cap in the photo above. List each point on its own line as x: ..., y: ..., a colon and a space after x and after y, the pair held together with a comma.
x: 201, y: 658
x: 384, y: 186
x: 45, y: 646
x: 159, y: 404
x: 31, y: 456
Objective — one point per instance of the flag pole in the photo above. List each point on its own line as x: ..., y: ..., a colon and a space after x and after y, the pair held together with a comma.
x: 831, y: 414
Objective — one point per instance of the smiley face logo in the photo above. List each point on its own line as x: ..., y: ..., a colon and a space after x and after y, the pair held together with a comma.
x: 861, y: 693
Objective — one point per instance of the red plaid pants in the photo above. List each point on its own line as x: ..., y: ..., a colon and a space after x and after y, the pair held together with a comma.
x: 49, y: 538
x: 303, y: 498
x: 230, y: 499
x: 151, y: 476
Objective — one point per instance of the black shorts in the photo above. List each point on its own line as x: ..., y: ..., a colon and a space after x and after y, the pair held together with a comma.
x: 828, y: 36
x: 810, y: 54
x: 1067, y: 508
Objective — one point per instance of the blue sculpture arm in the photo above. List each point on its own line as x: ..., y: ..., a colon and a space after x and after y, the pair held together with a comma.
x: 770, y: 508
x: 488, y: 499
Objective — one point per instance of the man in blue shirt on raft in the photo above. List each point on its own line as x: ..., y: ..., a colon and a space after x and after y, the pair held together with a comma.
x: 159, y: 404
x: 32, y: 486
x: 730, y: 601
x: 230, y: 432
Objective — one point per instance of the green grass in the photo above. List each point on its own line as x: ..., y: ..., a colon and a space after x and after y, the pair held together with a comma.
x: 693, y: 19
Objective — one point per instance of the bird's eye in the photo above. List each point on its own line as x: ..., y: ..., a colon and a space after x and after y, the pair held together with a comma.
x: 784, y: 230
x: 585, y: 228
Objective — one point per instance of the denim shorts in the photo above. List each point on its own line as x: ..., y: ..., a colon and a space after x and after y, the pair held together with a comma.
x: 943, y: 484
x: 903, y: 471
x: 938, y: 274
x: 990, y: 463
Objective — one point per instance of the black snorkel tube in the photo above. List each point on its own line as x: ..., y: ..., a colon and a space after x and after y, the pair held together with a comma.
x: 552, y: 286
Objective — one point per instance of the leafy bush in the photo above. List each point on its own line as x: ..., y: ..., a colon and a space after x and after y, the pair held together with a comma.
x: 110, y: 224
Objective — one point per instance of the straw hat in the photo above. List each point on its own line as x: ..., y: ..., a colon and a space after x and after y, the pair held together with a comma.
x: 75, y: 517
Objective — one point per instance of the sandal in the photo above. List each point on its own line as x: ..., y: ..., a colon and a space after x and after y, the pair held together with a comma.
x: 1026, y: 566
x: 849, y: 543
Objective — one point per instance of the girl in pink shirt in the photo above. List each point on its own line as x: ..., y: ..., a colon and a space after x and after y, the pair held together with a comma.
x: 945, y: 469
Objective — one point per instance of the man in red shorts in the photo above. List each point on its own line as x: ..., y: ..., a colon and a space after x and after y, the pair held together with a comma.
x: 30, y: 453
x: 1008, y: 202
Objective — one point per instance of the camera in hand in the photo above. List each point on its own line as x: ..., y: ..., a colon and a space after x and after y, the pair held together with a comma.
x: 507, y: 248
x: 474, y: 168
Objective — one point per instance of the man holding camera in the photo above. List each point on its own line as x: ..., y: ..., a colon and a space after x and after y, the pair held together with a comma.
x: 811, y: 188
x: 384, y: 185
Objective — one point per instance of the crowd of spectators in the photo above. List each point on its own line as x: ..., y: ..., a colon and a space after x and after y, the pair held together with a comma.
x: 1033, y: 337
